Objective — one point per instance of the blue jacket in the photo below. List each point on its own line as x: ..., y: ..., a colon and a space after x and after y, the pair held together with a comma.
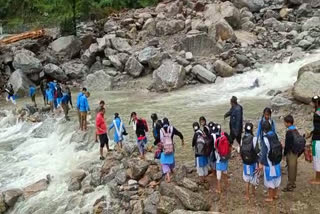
x: 65, y: 98
x: 78, y: 99
x: 32, y: 91
x: 259, y: 130
x: 236, y: 119
x: 49, y: 95
x: 52, y: 86
x: 116, y: 137
x: 264, y: 149
x: 83, y: 104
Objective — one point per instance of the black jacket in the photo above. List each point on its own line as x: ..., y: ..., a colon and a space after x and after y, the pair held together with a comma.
x: 316, y: 125
x: 236, y: 120
x: 288, y: 142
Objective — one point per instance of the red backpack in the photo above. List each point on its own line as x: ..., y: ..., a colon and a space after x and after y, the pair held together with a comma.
x: 223, y: 147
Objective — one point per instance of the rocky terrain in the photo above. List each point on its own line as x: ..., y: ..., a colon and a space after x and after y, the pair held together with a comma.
x: 176, y: 43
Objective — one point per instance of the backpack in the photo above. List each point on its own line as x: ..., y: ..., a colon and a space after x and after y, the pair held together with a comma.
x: 248, y: 153
x: 299, y: 143
x: 223, y: 147
x: 202, y: 147
x: 141, y: 127
x: 167, y: 140
x: 275, y: 153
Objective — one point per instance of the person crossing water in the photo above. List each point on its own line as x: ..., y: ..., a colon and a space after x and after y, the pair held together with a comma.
x: 119, y: 132
x: 11, y: 94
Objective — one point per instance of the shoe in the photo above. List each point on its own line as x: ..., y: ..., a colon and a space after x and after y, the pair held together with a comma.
x: 287, y: 189
x: 294, y: 186
x: 102, y: 158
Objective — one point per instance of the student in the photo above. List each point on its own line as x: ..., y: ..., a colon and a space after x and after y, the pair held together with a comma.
x: 236, y: 121
x: 249, y: 151
x: 156, y: 126
x: 43, y: 86
x: 65, y: 104
x: 167, y: 159
x: 212, y: 158
x: 141, y: 128
x: 11, y: 96
x: 49, y: 98
x: 199, y: 146
x: 84, y: 90
x: 223, y: 152
x: 68, y: 91
x: 32, y: 94
x: 270, y: 161
x: 101, y: 105
x: 267, y: 113
x: 120, y: 129
x: 316, y: 140
x: 84, y: 109
x: 102, y: 131
x: 59, y: 94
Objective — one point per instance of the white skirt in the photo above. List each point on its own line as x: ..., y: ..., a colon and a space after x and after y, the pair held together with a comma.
x: 272, y: 184
x: 254, y: 180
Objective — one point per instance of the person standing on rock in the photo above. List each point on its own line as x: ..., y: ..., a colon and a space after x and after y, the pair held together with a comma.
x: 267, y: 112
x: 84, y: 110
x: 156, y: 126
x: 236, y: 121
x: 101, y: 105
x: 11, y: 96
x: 59, y: 95
x: 101, y: 130
x: 316, y: 140
x: 66, y: 98
x: 84, y: 90
x: 50, y: 98
x: 43, y: 86
x: 120, y: 130
x: 167, y: 158
x: 141, y: 128
x: 32, y: 94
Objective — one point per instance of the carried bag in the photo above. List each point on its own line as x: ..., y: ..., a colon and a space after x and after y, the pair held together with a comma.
x: 248, y: 153
x: 308, y: 154
x: 299, y: 143
x: 223, y: 147
x: 167, y: 140
x: 275, y: 153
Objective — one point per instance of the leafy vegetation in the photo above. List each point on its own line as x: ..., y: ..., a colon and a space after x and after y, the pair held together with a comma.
x: 20, y: 14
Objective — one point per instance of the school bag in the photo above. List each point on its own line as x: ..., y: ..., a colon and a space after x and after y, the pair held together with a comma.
x: 167, y: 140
x: 299, y: 143
x: 248, y: 153
x: 223, y: 147
x: 202, y: 145
x: 275, y: 153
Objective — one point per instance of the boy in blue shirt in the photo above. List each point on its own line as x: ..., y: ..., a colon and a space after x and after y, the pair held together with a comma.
x: 50, y: 97
x: 32, y: 94
x: 84, y: 109
x: 84, y: 90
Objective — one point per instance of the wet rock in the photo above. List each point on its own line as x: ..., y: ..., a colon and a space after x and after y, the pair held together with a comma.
x: 231, y: 14
x: 203, y: 74
x: 223, y: 69
x: 169, y: 27
x: 66, y: 47
x: 306, y: 87
x: 313, y: 22
x: 20, y: 83
x: 243, y: 59
x: 137, y: 168
x: 166, y: 205
x: 73, y: 202
x: 3, y: 207
x: 151, y: 202
x: 150, y: 27
x: 192, y: 201
x: 120, y: 44
x: 279, y: 101
x: 98, y: 81
x: 151, y: 56
x: 115, y: 61
x: 310, y: 67
x: 11, y: 196
x: 224, y: 31
x: 75, y: 69
x: 35, y: 188
x: 121, y: 177
x: 27, y: 62
x: 168, y: 76
x: 55, y: 72
x: 133, y: 67
x: 253, y: 5
x: 75, y: 180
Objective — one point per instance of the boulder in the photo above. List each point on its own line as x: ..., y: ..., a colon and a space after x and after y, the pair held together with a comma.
x: 313, y: 3
x: 190, y: 200
x: 150, y: 56
x: 120, y: 44
x: 189, y: 184
x: 20, y: 83
x: 224, y: 31
x: 223, y: 69
x: 313, y: 22
x: 89, y: 56
x: 280, y: 101
x: 121, y: 177
x: 169, y: 27
x: 66, y: 47
x: 3, y: 207
x: 231, y: 14
x: 170, y: 75
x: 110, y: 26
x: 115, y: 61
x: 166, y: 205
x: 151, y: 202
x: 173, y: 9
x: 144, y: 181
x: 27, y: 62
x: 150, y: 27
x: 133, y: 67
x: 75, y: 180
x: 253, y: 5
x: 75, y: 69
x: 310, y: 67
x: 35, y: 188
x: 11, y: 196
x: 189, y: 56
x: 306, y: 87
x: 109, y: 52
x: 203, y: 74
x: 138, y: 207
x: 55, y: 72
x: 99, y: 81
x: 137, y: 168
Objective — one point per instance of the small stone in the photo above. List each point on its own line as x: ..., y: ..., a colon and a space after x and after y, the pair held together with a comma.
x: 189, y: 56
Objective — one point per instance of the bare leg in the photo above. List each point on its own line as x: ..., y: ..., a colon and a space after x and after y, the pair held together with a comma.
x: 218, y: 187
x: 247, y: 196
x: 168, y: 178
x: 316, y: 180
x: 101, y: 151
x: 275, y: 193
x: 270, y: 195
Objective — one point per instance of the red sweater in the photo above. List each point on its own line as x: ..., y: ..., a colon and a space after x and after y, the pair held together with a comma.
x: 101, y: 124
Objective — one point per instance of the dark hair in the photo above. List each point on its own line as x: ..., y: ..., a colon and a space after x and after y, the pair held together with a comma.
x: 165, y: 121
x: 267, y: 110
x: 196, y: 124
x: 211, y: 124
x: 154, y: 117
x: 202, y: 118
x: 101, y: 109
x: 133, y: 114
x: 266, y: 126
x: 102, y: 102
x: 289, y: 119
x: 234, y: 99
x: 218, y: 127
x: 248, y: 128
x: 116, y: 115
x: 84, y: 89
x: 316, y: 100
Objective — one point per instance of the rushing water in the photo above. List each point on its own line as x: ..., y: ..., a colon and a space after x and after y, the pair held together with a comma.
x: 25, y: 159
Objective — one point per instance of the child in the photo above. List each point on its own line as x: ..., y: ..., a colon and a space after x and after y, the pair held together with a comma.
x: 11, y: 96
x: 32, y: 94
x: 199, y: 146
x: 249, y: 153
x: 223, y: 152
x: 270, y: 161
x: 212, y: 158
x: 267, y: 113
x: 120, y: 130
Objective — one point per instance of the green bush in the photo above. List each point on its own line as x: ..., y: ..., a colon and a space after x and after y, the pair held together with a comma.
x: 67, y: 27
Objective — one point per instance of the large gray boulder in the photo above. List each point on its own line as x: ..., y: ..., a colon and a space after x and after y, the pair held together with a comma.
x: 66, y: 47
x: 27, y: 62
x: 150, y: 56
x: 224, y: 31
x: 310, y: 67
x: 137, y: 168
x: 55, y: 72
x: 169, y: 27
x: 110, y: 26
x: 35, y: 188
x: 306, y: 87
x: 231, y: 14
x: 104, y: 42
x: 253, y: 5
x: 170, y: 75
x: 99, y: 81
x: 313, y: 22
x: 76, y: 178
x: 11, y: 196
x: 133, y: 67
x: 203, y: 74
x: 89, y: 56
x: 75, y: 69
x: 116, y: 62
x: 223, y: 69
x: 20, y: 83
x: 120, y: 44
x: 150, y: 27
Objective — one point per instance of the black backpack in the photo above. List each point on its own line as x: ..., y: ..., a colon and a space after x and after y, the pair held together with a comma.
x: 249, y: 154
x: 299, y: 143
x: 275, y: 154
x: 203, y: 145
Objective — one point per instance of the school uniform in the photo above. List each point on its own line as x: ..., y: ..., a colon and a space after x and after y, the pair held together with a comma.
x: 249, y: 171
x: 316, y: 141
x: 119, y: 127
x: 201, y: 161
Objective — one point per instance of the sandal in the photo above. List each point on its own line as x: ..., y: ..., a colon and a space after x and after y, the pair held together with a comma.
x: 287, y: 189
x: 102, y: 158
